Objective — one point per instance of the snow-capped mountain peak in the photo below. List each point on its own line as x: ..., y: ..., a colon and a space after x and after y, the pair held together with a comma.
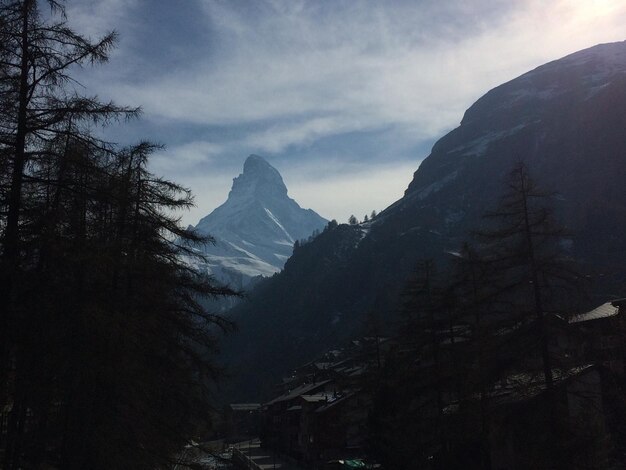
x: 256, y: 227
x: 258, y: 180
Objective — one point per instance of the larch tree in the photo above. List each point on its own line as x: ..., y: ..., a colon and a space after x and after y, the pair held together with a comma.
x: 525, y: 251
x: 536, y: 286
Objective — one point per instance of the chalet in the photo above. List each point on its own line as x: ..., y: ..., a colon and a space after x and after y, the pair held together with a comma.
x: 603, y: 332
x: 520, y: 434
x: 281, y: 418
x: 338, y: 428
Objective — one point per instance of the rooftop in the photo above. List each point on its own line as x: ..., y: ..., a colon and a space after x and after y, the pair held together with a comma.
x: 245, y: 406
x: 603, y: 311
x: 296, y: 392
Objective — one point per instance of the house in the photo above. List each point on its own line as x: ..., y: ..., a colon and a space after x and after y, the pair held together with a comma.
x: 603, y: 330
x: 242, y: 421
x: 525, y: 431
x: 281, y: 418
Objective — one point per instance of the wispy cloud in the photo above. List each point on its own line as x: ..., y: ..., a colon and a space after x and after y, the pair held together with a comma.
x: 364, y: 64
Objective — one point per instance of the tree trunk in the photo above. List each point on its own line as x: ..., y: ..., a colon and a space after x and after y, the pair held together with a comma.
x: 9, y: 326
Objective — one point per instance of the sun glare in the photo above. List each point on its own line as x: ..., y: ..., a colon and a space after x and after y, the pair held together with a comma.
x: 596, y: 8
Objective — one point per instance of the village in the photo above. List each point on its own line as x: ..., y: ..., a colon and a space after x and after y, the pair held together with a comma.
x: 322, y: 414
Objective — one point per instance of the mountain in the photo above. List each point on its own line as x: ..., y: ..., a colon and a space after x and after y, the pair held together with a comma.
x: 255, y: 229
x: 566, y: 120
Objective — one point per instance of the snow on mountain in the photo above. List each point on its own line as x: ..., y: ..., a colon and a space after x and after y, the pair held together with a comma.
x: 256, y: 227
x: 519, y: 109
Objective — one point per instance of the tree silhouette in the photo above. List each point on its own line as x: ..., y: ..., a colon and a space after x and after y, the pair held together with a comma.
x: 523, y: 241
x: 106, y: 351
x: 533, y: 279
x: 467, y: 328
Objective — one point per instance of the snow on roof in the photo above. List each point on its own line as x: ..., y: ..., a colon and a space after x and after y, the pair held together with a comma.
x: 526, y: 385
x: 317, y: 397
x: 603, y: 311
x: 323, y: 365
x: 335, y: 402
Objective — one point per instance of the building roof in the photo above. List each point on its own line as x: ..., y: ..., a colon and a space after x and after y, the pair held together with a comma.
x: 296, y: 392
x: 245, y: 406
x: 317, y: 397
x: 603, y: 311
x: 619, y: 302
x: 526, y: 385
x: 523, y: 386
x: 336, y: 401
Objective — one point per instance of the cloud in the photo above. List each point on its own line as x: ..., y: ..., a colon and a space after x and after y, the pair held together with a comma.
x: 278, y: 138
x: 362, y: 65
x: 185, y: 158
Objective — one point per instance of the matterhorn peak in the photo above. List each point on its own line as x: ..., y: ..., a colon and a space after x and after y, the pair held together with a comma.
x: 256, y: 164
x: 259, y: 180
x: 256, y: 227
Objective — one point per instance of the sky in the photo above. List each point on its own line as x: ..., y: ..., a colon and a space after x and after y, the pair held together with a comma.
x: 344, y: 97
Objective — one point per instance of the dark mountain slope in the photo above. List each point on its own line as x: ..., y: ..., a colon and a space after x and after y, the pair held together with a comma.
x: 566, y: 120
